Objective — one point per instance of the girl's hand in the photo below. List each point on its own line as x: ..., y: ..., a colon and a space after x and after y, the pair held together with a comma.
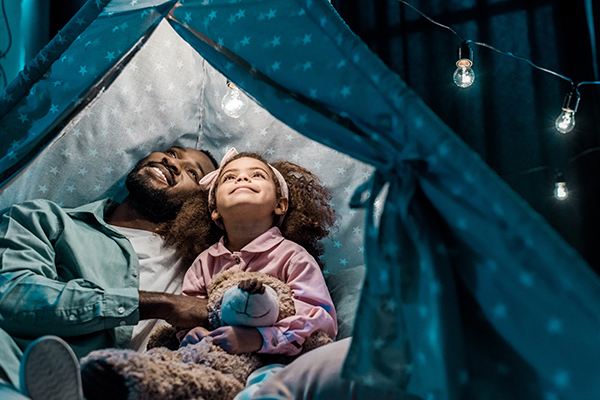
x: 194, y: 336
x: 237, y: 339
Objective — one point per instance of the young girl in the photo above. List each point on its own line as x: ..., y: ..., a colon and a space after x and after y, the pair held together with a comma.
x: 273, y: 217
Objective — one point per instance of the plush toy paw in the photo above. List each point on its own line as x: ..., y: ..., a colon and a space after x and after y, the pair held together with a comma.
x: 164, y: 336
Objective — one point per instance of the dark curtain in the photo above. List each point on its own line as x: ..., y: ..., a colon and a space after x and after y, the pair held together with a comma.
x: 508, y: 115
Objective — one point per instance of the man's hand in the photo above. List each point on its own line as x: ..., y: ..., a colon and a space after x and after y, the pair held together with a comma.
x: 194, y: 336
x: 178, y: 310
x: 237, y: 339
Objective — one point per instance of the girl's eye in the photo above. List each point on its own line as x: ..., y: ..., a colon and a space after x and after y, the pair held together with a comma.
x: 194, y: 174
x: 227, y: 177
x: 171, y: 153
x: 258, y: 175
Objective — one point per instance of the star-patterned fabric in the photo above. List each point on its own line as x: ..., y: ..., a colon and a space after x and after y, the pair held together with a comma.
x: 468, y: 293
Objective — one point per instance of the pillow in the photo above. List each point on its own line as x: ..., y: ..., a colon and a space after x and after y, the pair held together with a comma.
x: 345, y: 287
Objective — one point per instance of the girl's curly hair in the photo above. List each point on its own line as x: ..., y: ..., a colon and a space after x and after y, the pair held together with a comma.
x: 309, y: 217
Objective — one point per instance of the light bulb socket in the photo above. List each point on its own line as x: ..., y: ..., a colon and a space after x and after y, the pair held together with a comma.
x: 571, y: 101
x: 560, y: 178
x: 465, y: 55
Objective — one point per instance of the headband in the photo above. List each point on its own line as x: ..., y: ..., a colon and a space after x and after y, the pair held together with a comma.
x: 209, y: 181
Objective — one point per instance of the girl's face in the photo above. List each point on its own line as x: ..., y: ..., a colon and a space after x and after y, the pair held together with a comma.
x: 246, y: 190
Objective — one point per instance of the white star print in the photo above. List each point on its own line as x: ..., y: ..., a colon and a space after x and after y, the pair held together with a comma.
x: 555, y: 325
x: 526, y: 279
x: 500, y: 310
x: 302, y: 119
x: 562, y: 379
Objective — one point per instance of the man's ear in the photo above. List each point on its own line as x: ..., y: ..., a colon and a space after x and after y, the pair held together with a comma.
x: 281, y: 207
x: 215, y: 215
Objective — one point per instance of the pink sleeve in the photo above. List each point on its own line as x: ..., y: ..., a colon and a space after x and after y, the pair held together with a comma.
x: 314, y: 309
x: 193, y: 281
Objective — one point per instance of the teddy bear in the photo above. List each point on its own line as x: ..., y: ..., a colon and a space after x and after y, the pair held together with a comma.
x: 204, y: 370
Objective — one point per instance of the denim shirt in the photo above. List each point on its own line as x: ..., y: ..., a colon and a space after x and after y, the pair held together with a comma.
x: 64, y: 272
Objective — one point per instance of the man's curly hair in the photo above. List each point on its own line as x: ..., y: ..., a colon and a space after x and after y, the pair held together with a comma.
x: 309, y: 217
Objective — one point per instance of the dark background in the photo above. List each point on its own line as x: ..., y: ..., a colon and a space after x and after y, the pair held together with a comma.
x: 508, y: 115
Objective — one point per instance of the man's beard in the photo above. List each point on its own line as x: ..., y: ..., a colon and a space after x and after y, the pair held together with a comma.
x: 156, y: 205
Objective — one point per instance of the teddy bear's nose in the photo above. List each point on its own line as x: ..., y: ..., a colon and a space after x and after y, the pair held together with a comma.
x: 252, y: 286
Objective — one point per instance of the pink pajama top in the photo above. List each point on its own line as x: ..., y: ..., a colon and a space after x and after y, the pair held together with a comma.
x: 272, y: 254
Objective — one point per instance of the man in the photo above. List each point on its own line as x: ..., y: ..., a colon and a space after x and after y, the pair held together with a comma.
x: 92, y: 273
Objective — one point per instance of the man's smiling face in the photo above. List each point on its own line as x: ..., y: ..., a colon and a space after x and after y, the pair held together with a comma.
x: 160, y: 183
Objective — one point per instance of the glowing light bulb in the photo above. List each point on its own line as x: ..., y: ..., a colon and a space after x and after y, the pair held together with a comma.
x: 560, y: 188
x: 464, y: 76
x: 234, y: 103
x: 560, y: 191
x: 566, y: 120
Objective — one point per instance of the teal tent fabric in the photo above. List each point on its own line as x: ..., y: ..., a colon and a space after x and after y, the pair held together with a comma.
x: 468, y: 292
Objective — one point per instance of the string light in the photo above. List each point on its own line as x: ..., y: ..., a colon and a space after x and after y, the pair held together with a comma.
x: 561, y: 193
x: 464, y: 76
x: 565, y: 122
x: 234, y: 103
